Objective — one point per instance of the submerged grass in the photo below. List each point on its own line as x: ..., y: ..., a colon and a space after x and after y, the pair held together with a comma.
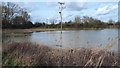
x: 30, y: 54
x: 16, y: 34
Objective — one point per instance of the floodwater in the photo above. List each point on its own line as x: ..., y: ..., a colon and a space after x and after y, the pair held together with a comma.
x: 72, y: 38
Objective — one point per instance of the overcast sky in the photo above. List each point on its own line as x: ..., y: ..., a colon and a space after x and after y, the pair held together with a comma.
x: 41, y: 11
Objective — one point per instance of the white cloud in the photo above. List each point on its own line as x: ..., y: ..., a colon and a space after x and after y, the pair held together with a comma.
x: 59, y: 0
x: 30, y: 14
x: 106, y: 9
x: 76, y: 6
x: 30, y: 6
x: 71, y: 6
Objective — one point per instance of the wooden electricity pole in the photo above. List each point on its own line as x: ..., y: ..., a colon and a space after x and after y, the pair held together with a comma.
x: 61, y: 8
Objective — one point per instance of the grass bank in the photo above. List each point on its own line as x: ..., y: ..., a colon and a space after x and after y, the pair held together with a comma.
x: 31, y: 54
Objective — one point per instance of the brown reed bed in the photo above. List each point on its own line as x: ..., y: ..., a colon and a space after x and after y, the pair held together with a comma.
x: 30, y: 54
x: 4, y: 31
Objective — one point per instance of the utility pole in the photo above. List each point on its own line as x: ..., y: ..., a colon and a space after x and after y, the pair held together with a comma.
x: 61, y: 8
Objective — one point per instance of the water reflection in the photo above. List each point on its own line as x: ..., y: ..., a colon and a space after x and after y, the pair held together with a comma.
x: 73, y: 39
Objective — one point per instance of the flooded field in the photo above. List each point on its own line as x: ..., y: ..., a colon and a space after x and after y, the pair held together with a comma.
x: 70, y: 39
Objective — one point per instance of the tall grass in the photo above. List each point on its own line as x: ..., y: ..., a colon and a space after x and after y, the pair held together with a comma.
x: 30, y: 54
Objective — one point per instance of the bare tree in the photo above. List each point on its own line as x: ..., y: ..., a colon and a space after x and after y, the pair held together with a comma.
x: 11, y: 12
x: 77, y: 19
x: 110, y: 21
x: 53, y: 21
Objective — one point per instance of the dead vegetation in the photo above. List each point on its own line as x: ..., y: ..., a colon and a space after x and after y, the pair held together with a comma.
x: 39, y: 55
x: 27, y: 30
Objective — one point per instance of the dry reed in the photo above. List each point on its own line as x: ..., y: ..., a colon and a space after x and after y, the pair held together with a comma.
x: 40, y: 55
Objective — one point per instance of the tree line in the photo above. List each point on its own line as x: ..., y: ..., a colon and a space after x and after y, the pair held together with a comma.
x: 80, y: 22
x: 13, y: 16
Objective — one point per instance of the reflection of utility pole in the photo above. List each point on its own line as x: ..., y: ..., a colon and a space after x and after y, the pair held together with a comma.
x: 61, y: 8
